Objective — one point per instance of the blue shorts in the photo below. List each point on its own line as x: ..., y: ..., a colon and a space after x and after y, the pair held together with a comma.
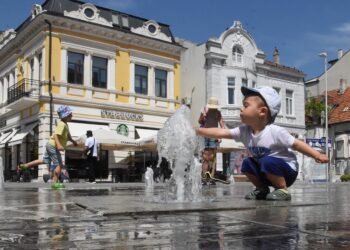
x: 52, y: 156
x: 210, y: 143
x: 268, y: 164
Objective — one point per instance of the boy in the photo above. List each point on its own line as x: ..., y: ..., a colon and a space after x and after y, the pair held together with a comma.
x: 56, y: 144
x: 272, y: 163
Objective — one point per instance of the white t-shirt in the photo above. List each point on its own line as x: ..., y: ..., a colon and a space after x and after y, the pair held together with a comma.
x: 272, y: 141
x: 89, y: 142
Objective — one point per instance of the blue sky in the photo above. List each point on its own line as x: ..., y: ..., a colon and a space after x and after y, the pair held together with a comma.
x: 300, y: 29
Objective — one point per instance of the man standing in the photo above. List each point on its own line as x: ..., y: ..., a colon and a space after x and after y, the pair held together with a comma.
x: 91, y: 151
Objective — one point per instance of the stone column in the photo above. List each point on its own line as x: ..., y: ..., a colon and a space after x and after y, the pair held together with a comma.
x: 151, y: 84
x: 111, y: 78
x: 170, y: 88
x: 132, y: 82
x: 87, y: 81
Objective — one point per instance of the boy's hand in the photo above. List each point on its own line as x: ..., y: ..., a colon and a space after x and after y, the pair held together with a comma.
x: 60, y: 148
x: 321, y: 158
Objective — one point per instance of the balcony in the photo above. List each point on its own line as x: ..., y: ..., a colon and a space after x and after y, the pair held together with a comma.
x: 24, y: 93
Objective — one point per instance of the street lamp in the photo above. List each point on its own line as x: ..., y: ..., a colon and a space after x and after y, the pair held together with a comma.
x: 325, y: 56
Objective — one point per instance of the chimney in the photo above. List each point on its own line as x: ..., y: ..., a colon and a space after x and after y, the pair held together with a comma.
x: 276, y: 56
x: 342, y: 86
x: 340, y: 53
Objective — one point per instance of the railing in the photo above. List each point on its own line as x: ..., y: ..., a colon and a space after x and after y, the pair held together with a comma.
x: 23, y: 88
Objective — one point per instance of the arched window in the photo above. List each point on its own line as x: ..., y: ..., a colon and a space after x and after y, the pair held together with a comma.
x: 237, y: 53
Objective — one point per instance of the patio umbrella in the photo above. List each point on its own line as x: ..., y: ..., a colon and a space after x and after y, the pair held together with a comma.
x: 110, y: 140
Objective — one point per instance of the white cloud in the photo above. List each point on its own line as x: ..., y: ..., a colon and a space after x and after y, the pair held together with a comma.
x: 344, y: 28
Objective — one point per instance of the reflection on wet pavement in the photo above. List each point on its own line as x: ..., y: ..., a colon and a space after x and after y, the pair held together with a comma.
x: 41, y: 218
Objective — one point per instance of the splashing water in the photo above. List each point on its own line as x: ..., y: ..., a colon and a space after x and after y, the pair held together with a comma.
x: 149, y: 182
x: 177, y: 142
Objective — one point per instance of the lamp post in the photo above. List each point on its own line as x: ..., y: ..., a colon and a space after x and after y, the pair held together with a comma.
x: 325, y: 56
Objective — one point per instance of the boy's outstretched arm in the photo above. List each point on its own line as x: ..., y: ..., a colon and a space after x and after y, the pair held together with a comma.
x: 302, y: 147
x: 218, y: 133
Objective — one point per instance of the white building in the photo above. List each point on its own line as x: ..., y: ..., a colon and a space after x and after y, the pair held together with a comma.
x: 220, y: 66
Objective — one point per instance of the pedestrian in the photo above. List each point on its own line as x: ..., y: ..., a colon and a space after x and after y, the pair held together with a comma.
x: 91, y: 152
x: 209, y: 160
x: 272, y: 163
x: 211, y: 117
x: 57, y: 142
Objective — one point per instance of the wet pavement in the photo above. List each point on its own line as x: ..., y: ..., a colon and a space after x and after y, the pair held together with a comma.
x: 124, y: 216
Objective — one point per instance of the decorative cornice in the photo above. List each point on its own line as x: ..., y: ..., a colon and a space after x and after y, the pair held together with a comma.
x: 84, y: 12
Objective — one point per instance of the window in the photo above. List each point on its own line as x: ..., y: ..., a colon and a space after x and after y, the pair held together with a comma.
x: 289, y: 102
x: 99, y: 72
x: 340, y: 149
x: 161, y: 83
x: 244, y: 82
x: 75, y: 68
x: 141, y: 79
x: 231, y: 90
x: 237, y: 53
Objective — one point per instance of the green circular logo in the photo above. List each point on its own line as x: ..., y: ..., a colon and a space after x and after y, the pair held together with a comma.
x: 123, y: 129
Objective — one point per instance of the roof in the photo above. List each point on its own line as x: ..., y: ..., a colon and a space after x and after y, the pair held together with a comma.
x: 286, y: 68
x: 340, y: 106
x: 61, y: 7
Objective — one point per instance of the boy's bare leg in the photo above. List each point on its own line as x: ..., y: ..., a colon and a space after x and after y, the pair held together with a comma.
x: 277, y: 181
x: 255, y: 180
x: 33, y: 163
x: 213, y: 166
x: 205, y: 167
x: 56, y: 174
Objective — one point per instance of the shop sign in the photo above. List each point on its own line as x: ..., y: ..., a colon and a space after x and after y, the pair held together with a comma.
x: 123, y: 129
x: 120, y: 115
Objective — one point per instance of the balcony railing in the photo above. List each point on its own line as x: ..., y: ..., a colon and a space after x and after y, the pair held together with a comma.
x: 23, y: 88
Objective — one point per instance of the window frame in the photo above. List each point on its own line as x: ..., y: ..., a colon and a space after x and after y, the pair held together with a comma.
x: 231, y: 87
x: 289, y: 102
x: 81, y: 66
x: 143, y: 89
x: 162, y: 82
x: 99, y: 83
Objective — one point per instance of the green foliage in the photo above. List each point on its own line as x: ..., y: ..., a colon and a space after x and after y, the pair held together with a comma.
x: 345, y: 177
x: 314, y: 107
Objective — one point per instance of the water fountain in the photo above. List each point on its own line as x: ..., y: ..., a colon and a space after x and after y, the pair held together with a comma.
x: 177, y: 142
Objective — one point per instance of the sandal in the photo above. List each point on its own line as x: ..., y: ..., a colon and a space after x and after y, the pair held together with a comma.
x: 279, y: 195
x: 258, y: 194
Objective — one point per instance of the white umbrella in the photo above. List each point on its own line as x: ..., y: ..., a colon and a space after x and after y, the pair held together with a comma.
x: 229, y: 145
x: 111, y: 140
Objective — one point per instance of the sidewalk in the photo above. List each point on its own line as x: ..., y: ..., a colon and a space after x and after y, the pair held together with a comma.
x: 117, y: 215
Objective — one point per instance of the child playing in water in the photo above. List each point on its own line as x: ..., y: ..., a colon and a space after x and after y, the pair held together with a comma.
x: 211, y: 117
x: 56, y: 144
x: 272, y: 162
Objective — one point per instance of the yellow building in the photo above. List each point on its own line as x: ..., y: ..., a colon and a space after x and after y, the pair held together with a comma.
x: 115, y: 70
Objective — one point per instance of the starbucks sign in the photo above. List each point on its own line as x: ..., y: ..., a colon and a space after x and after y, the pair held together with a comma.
x: 123, y: 129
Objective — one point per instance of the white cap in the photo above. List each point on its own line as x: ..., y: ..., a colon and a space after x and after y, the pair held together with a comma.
x: 269, y: 95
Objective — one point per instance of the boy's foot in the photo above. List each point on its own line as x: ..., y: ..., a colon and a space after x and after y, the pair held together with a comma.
x: 57, y: 185
x: 22, y: 167
x: 279, y: 195
x: 258, y: 194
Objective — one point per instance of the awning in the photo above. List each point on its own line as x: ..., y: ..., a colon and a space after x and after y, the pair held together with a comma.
x: 4, y: 141
x: 18, y: 138
x: 77, y: 129
x: 148, y: 139
x: 4, y: 135
x: 146, y: 133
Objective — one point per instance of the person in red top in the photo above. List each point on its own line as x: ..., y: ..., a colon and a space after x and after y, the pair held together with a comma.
x: 210, y: 117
